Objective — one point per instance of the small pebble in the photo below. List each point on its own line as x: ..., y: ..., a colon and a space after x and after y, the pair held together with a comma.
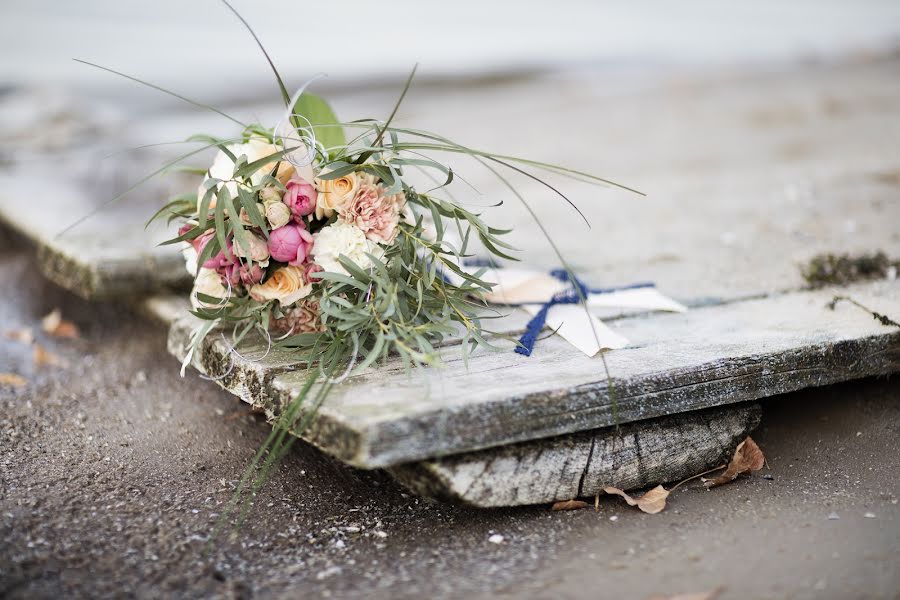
x: 614, y: 518
x: 769, y: 477
x: 496, y: 539
x: 869, y: 515
x: 834, y: 516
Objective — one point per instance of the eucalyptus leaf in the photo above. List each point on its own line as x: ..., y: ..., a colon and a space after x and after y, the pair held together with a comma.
x: 318, y: 113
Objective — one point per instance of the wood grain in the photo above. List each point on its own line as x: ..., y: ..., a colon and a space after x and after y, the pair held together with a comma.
x: 579, y: 465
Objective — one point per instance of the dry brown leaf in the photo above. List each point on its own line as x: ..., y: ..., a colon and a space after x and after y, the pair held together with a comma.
x: 43, y: 357
x: 56, y: 326
x: 23, y: 335
x: 747, y: 457
x: 569, y: 505
x: 12, y: 380
x: 710, y: 595
x: 651, y: 503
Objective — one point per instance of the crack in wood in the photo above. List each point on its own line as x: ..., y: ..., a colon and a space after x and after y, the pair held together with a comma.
x: 587, y: 466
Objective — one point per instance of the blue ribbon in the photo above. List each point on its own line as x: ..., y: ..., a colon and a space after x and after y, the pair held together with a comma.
x: 574, y: 295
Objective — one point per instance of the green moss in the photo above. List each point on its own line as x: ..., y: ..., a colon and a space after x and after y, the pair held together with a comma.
x: 841, y: 269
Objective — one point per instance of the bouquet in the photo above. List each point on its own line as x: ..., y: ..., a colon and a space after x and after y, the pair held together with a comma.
x: 309, y: 234
x: 296, y: 231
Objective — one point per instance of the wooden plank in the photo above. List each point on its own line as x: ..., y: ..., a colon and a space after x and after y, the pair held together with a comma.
x: 579, y: 465
x: 110, y: 254
x: 677, y: 363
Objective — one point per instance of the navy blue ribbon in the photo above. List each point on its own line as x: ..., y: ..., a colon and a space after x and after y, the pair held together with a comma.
x: 573, y: 295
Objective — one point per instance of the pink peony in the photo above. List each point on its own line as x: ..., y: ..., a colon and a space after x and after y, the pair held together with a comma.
x: 374, y: 212
x: 290, y: 244
x: 300, y: 197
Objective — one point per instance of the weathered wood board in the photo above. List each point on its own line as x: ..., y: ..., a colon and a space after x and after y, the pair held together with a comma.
x: 110, y: 254
x: 636, y: 455
x: 710, y: 356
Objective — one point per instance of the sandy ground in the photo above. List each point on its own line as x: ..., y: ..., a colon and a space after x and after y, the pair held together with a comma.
x: 114, y: 472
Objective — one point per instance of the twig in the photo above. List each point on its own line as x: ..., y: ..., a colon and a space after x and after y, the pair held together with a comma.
x: 883, y: 319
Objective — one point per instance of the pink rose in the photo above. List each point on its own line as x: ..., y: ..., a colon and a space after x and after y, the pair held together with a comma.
x: 374, y: 212
x: 199, y: 243
x: 311, y: 269
x: 217, y: 261
x: 300, y: 197
x: 290, y: 244
x: 245, y: 274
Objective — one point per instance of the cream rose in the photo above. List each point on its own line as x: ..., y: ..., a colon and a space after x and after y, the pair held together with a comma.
x: 209, y: 283
x: 278, y: 214
x: 335, y: 194
x: 287, y: 285
x: 223, y: 167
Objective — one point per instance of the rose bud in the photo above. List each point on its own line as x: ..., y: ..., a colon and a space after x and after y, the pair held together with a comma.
x: 244, y: 274
x: 245, y: 218
x: 270, y: 193
x: 300, y: 197
x: 278, y: 214
x: 256, y: 251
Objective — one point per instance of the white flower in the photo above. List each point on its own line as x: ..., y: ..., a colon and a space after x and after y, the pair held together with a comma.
x: 190, y: 258
x: 343, y: 238
x: 208, y: 282
x: 223, y: 167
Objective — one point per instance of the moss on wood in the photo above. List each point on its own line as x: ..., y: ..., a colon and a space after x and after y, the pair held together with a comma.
x: 841, y: 269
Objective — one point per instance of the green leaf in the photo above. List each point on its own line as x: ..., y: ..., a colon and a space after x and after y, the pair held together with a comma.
x: 221, y: 201
x: 249, y: 203
x: 325, y: 124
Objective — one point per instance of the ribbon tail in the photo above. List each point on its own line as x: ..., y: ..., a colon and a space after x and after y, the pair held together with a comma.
x: 528, y: 339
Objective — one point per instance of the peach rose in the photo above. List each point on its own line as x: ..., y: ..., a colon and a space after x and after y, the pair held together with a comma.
x: 287, y: 285
x: 334, y: 194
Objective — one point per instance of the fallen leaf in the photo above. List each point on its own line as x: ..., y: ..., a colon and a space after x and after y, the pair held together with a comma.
x: 747, y: 457
x: 12, y: 380
x: 23, y: 335
x: 710, y: 595
x: 56, y: 326
x: 651, y: 503
x: 41, y: 356
x: 569, y: 505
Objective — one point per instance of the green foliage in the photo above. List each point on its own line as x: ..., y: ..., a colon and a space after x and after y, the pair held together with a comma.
x: 316, y: 113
